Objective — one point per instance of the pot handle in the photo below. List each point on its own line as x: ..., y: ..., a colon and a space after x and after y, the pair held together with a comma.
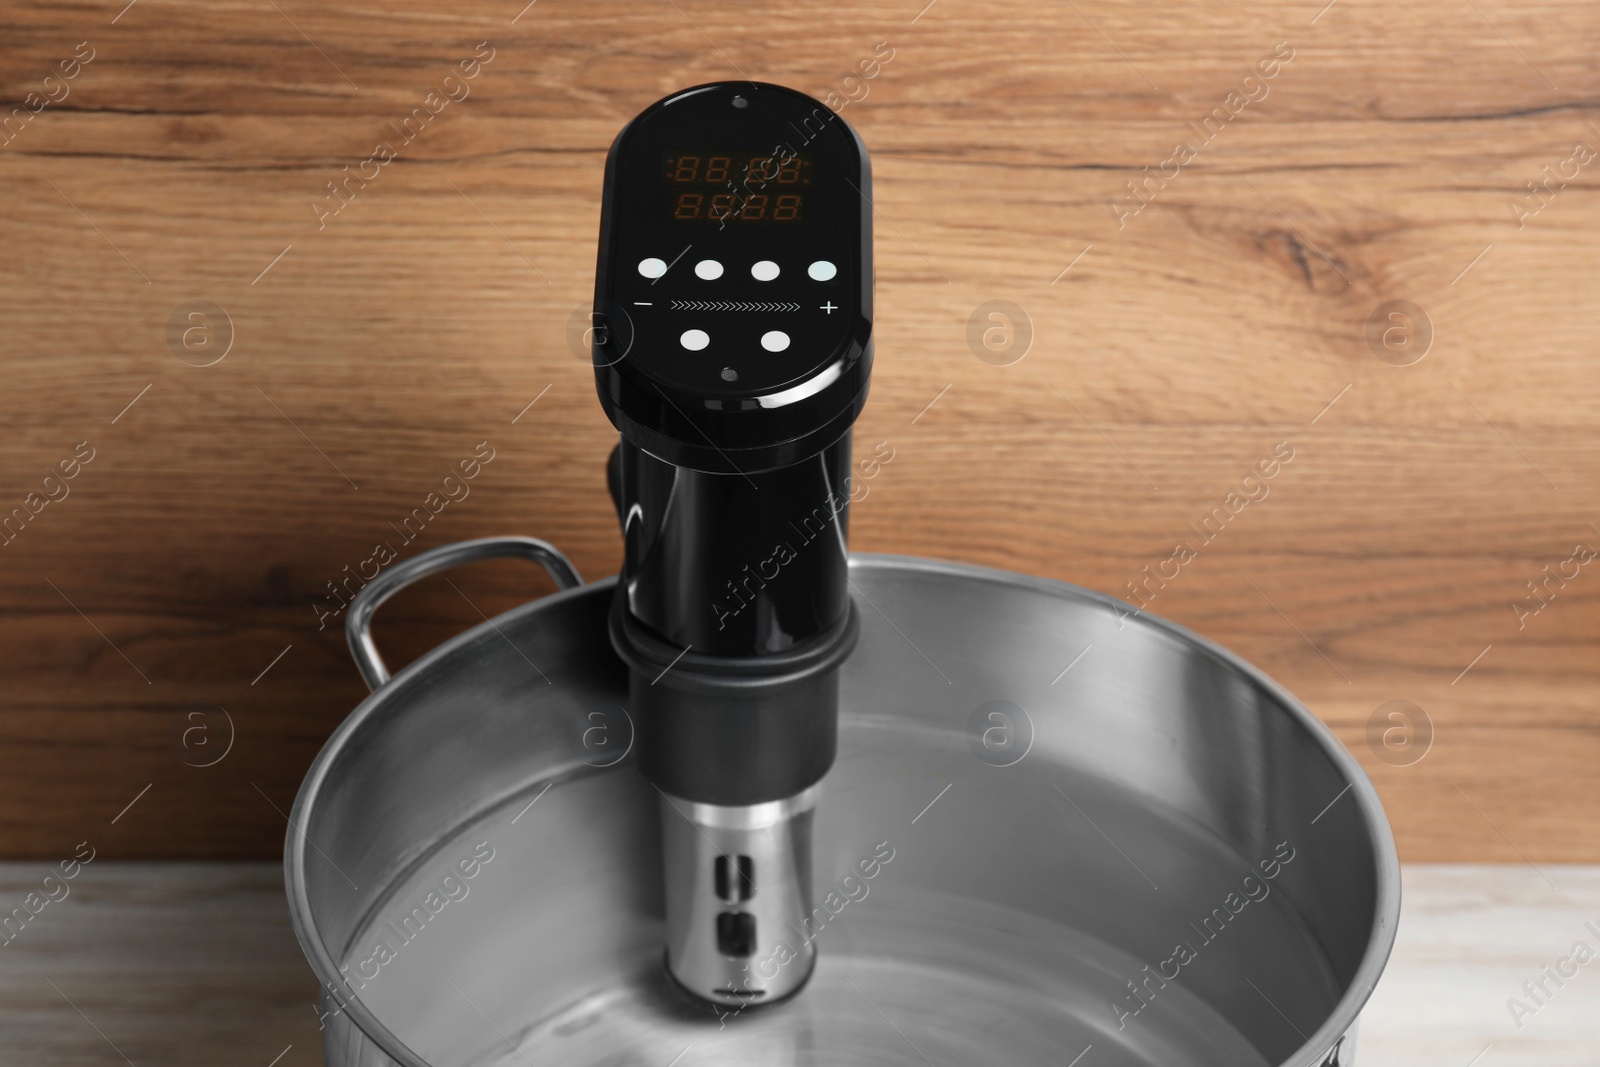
x: 358, y: 624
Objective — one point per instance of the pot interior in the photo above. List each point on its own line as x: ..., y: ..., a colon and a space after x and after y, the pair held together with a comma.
x: 1052, y: 830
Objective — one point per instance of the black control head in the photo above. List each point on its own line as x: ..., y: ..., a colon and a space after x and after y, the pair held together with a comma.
x: 733, y: 294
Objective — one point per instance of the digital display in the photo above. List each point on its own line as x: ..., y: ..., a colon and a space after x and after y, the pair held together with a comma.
x: 731, y: 186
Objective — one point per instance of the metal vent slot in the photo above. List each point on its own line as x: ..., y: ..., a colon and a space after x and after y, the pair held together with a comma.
x: 736, y: 882
x: 736, y: 934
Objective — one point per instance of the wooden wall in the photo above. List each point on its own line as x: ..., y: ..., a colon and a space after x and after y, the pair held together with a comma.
x: 1230, y: 313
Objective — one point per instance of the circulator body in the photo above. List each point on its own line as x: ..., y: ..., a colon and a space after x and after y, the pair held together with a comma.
x: 733, y: 349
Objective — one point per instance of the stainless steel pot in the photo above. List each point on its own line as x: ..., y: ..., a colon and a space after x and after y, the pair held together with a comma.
x: 1056, y: 833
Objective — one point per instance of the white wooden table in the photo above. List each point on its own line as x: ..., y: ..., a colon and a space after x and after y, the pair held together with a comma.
x: 1469, y: 937
x: 194, y: 964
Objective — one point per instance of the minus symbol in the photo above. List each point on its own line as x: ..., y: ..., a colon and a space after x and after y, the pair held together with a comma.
x: 641, y: 303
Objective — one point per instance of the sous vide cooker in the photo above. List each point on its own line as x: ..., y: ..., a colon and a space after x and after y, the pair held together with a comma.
x: 758, y: 799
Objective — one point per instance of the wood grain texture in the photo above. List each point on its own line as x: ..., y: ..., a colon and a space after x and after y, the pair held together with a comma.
x: 371, y: 355
x: 172, y: 963
x: 1469, y: 937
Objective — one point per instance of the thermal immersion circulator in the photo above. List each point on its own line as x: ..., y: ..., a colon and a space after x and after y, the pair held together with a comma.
x: 732, y: 345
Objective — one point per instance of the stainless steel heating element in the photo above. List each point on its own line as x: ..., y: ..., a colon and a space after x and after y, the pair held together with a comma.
x: 733, y: 875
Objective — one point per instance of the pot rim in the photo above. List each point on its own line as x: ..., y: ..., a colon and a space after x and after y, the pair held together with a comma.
x: 1386, y: 861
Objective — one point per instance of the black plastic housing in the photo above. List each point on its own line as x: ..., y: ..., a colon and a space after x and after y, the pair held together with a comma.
x: 734, y: 565
x: 732, y: 479
x: 782, y: 406
x: 726, y: 730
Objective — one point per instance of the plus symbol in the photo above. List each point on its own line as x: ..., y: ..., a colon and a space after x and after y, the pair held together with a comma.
x: 828, y: 308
